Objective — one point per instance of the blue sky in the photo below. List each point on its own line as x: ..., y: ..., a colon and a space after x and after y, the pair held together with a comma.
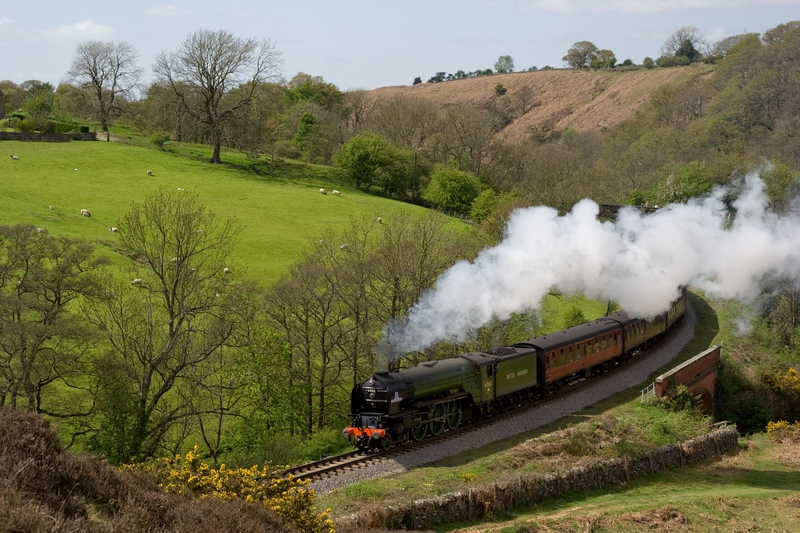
x: 370, y: 44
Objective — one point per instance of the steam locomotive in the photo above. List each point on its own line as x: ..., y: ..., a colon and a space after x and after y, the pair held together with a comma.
x: 392, y: 407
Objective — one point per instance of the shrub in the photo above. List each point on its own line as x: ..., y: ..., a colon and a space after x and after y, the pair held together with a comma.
x: 286, y: 496
x: 159, y: 139
x: 783, y: 431
x: 499, y: 89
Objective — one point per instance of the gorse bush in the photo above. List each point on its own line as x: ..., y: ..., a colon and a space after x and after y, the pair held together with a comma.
x: 287, y: 496
x: 783, y: 431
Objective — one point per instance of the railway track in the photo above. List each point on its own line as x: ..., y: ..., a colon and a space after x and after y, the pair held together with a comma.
x: 334, y: 465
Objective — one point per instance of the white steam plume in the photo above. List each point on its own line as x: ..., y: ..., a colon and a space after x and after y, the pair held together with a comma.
x: 640, y: 262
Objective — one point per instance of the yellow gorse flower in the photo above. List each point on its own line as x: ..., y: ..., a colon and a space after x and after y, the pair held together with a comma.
x: 286, y: 496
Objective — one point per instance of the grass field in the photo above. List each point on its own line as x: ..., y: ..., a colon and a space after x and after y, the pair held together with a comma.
x: 756, y: 488
x: 281, y: 215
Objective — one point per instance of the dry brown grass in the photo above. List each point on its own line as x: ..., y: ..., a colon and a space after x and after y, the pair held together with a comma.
x: 581, y: 100
x: 46, y: 488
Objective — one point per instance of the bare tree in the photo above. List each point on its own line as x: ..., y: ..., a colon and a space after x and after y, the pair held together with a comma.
x: 674, y: 42
x: 106, y: 72
x: 525, y: 97
x: 215, y: 74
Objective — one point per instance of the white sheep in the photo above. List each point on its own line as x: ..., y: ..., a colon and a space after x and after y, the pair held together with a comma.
x: 85, y: 212
x: 344, y: 247
x: 336, y: 193
x: 323, y: 191
x: 149, y: 172
x: 14, y: 157
x: 50, y: 207
x: 226, y: 270
x: 112, y: 229
x: 76, y: 168
x: 380, y: 220
x: 137, y: 281
x: 40, y: 230
x: 180, y: 188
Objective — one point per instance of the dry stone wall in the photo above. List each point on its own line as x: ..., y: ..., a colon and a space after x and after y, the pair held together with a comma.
x: 47, y: 137
x: 481, y: 502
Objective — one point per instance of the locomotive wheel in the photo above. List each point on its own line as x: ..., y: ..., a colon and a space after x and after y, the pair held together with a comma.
x: 386, y: 442
x: 418, y: 432
x: 453, y: 417
x: 404, y: 438
x: 438, y: 426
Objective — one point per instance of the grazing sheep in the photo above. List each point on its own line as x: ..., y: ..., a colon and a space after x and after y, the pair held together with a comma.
x: 137, y: 281
x: 14, y: 157
x: 76, y: 168
x: 199, y: 231
x: 323, y: 191
x: 40, y: 230
x: 226, y: 270
x: 85, y: 212
x: 174, y: 259
x: 50, y: 207
x: 336, y: 193
x: 149, y: 172
x: 180, y: 188
x: 344, y: 247
x: 380, y: 220
x: 112, y: 229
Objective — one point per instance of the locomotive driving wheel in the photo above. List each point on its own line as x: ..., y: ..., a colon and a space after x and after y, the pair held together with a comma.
x: 453, y: 417
x: 437, y: 426
x: 405, y: 437
x: 386, y: 442
x: 419, y: 431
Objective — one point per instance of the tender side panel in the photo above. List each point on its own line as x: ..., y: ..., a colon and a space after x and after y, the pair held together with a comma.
x: 516, y: 373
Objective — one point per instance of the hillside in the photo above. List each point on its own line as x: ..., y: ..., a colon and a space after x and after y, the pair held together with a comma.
x: 51, y: 182
x: 583, y: 100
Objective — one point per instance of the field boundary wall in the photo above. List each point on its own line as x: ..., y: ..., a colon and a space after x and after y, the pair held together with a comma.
x: 481, y: 502
x: 47, y: 137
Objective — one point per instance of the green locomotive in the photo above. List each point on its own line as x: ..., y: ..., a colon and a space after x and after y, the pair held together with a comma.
x: 392, y: 407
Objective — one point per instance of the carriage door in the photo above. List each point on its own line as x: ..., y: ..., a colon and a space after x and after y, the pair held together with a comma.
x: 487, y: 376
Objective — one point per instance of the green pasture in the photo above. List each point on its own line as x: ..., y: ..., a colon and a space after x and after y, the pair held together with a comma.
x: 281, y: 215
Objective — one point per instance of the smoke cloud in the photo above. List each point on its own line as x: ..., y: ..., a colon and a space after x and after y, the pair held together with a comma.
x: 640, y: 261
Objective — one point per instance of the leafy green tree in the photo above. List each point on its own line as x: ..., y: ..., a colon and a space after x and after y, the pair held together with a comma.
x: 38, y: 103
x: 603, y: 59
x: 504, y: 65
x: 43, y: 339
x: 677, y: 40
x: 686, y: 50
x: 483, y: 205
x: 369, y: 159
x: 452, y: 190
x: 580, y: 54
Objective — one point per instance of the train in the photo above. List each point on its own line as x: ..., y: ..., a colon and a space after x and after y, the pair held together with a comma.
x: 397, y: 407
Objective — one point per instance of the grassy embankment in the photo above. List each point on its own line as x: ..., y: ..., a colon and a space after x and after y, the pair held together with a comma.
x: 281, y: 214
x: 615, y: 426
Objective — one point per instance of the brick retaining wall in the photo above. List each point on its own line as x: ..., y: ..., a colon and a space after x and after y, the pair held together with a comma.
x: 482, y: 501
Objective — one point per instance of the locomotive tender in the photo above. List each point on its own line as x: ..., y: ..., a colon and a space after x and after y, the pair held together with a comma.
x: 412, y: 403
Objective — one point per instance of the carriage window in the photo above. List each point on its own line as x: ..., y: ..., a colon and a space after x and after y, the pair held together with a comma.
x: 489, y: 371
x: 578, y: 351
x: 569, y: 355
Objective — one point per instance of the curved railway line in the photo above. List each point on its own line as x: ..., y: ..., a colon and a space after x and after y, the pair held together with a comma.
x: 335, y: 465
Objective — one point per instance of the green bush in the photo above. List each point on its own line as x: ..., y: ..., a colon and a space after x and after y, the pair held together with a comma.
x: 84, y: 129
x: 64, y: 127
